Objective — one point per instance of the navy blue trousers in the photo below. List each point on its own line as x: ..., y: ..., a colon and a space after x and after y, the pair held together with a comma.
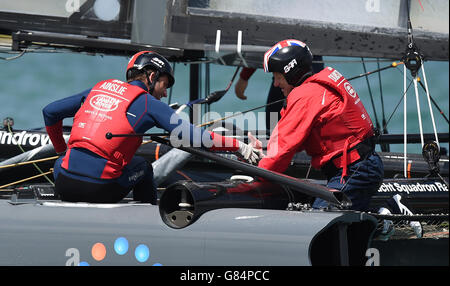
x: 365, y: 178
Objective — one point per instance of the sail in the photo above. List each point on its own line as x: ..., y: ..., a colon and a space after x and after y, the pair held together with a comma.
x: 232, y: 31
x: 369, y: 28
x: 67, y: 17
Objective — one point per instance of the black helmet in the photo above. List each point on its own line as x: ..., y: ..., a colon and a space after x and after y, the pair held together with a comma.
x: 292, y: 58
x: 150, y: 60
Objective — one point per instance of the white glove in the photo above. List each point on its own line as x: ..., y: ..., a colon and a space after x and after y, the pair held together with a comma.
x: 255, y: 143
x: 251, y: 152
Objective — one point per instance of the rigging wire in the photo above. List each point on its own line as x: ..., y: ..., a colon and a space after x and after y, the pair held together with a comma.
x: 346, y: 181
x: 392, y: 65
x: 400, y: 101
x: 239, y: 113
x: 384, y: 147
x: 432, y: 99
x: 370, y: 94
x: 429, y: 104
x: 434, y: 102
x: 381, y: 98
x: 349, y: 61
x: 413, y: 60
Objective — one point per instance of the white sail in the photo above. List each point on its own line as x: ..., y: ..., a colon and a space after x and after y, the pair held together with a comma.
x: 189, y: 28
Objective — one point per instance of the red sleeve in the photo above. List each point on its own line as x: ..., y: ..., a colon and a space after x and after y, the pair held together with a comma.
x: 221, y: 143
x: 246, y: 73
x: 291, y: 132
x: 56, y: 136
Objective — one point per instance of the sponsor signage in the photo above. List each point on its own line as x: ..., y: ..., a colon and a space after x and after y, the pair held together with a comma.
x: 24, y: 138
x: 104, y: 102
x: 413, y: 187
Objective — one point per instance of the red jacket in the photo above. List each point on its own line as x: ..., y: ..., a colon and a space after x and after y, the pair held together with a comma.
x: 104, y: 110
x: 323, y: 116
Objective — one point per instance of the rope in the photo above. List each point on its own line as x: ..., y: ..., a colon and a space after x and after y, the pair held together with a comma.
x: 432, y: 99
x: 34, y: 164
x: 14, y: 57
x: 28, y: 162
x: 27, y: 179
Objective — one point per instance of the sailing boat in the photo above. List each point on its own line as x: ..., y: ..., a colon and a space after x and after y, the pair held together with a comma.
x: 228, y: 221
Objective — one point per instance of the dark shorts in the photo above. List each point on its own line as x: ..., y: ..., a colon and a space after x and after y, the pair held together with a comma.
x: 137, y: 176
x: 365, y: 178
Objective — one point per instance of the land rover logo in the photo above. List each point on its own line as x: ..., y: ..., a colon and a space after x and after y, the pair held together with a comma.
x: 23, y: 138
x: 348, y: 87
x: 104, y: 102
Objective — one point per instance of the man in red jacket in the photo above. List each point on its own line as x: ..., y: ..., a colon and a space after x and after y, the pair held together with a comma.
x: 275, y: 97
x: 325, y: 117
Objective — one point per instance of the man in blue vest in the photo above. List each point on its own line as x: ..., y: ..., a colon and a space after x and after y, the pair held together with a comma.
x: 95, y: 169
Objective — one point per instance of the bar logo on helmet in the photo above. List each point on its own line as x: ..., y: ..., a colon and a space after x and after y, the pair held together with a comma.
x: 278, y: 46
x: 290, y: 65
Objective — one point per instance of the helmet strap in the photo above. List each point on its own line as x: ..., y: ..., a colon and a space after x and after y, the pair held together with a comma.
x: 303, y: 78
x: 151, y: 84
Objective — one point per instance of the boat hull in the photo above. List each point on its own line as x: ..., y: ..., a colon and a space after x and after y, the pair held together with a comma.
x: 56, y: 233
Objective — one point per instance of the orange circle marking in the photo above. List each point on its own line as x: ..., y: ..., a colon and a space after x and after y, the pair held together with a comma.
x: 98, y: 251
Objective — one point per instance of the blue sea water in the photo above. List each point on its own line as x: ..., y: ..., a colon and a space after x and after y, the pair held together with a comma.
x: 30, y: 82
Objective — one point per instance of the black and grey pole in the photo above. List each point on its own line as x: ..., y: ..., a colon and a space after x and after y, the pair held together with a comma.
x: 333, y: 196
